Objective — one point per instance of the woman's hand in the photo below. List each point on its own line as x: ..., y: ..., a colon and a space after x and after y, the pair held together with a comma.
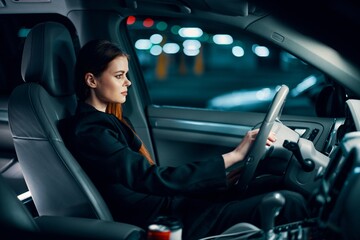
x: 240, y: 151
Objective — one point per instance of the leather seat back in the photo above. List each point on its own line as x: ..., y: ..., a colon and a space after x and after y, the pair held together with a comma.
x: 57, y: 183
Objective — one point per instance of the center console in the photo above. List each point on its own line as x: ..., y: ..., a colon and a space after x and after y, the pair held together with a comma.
x: 335, y: 203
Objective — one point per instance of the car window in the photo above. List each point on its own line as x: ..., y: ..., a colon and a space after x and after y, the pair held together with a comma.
x: 205, y: 65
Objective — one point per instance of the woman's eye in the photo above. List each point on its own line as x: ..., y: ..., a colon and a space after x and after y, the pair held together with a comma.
x: 119, y: 76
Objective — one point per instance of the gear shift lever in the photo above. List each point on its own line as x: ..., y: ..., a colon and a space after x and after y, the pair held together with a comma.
x: 270, y: 207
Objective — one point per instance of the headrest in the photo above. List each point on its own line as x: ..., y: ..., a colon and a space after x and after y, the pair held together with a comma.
x: 49, y: 58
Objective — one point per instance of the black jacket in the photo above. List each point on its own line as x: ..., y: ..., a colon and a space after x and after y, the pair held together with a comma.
x: 135, y: 191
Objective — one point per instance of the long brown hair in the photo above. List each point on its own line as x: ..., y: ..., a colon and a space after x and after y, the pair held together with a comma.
x: 116, y: 109
x: 94, y: 57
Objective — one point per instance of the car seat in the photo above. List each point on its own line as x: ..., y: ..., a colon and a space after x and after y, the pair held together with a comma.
x: 58, y: 185
x: 16, y: 222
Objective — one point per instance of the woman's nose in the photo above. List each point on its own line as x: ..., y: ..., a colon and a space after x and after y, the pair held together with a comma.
x: 127, y: 82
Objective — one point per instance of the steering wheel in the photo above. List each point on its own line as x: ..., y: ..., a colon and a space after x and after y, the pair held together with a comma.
x: 257, y: 149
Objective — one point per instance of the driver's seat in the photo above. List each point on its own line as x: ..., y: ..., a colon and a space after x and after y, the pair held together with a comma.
x: 58, y: 185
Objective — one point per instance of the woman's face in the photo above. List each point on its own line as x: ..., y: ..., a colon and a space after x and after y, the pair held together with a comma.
x: 112, y: 85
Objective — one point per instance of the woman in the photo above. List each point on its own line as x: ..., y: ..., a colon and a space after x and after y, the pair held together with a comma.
x: 136, y: 190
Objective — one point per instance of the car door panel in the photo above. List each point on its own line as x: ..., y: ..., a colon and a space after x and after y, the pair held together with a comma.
x: 183, y: 135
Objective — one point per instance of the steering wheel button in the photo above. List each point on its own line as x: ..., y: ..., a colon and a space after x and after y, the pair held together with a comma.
x: 313, y: 134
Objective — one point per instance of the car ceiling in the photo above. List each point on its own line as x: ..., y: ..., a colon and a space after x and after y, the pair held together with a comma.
x: 335, y: 22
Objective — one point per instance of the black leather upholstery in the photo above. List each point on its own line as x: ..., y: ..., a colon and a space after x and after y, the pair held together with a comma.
x: 14, y: 217
x: 17, y: 223
x: 57, y: 183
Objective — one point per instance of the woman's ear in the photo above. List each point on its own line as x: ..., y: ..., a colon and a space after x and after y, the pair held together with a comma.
x: 90, y: 80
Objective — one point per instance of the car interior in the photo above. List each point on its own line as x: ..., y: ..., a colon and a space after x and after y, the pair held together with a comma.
x: 45, y: 194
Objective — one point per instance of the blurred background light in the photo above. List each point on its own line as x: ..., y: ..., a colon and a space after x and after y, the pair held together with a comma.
x: 130, y: 20
x: 143, y: 44
x: 223, y: 39
x: 190, y: 32
x: 148, y: 22
x: 238, y: 51
x: 191, y: 52
x: 264, y: 94
x: 260, y: 51
x: 303, y: 86
x: 191, y: 44
x: 156, y: 38
x: 175, y: 29
x: 156, y: 50
x: 171, y: 48
x: 161, y: 26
